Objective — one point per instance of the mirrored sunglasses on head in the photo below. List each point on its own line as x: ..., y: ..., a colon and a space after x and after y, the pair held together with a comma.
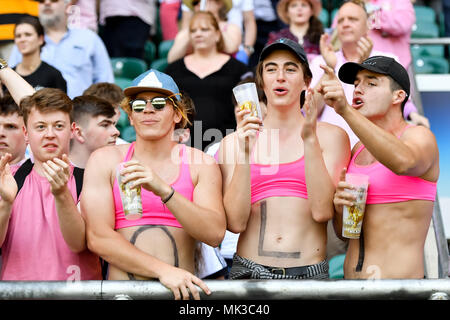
x: 158, y: 103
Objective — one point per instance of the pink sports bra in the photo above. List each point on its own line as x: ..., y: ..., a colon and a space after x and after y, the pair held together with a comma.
x: 154, y: 212
x: 387, y: 187
x: 278, y: 180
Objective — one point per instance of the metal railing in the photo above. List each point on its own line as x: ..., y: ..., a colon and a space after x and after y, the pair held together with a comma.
x: 232, y: 290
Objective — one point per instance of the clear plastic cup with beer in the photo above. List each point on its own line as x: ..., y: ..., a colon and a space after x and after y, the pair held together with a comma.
x: 353, y: 216
x: 131, y: 197
x: 246, y: 97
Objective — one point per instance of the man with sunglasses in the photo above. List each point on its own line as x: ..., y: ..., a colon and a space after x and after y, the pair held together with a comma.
x: 180, y: 186
x: 79, y: 54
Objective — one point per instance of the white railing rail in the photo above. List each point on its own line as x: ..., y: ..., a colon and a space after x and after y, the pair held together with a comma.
x: 232, y: 290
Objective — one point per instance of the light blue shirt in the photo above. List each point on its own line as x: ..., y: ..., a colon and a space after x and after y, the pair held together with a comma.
x: 80, y: 56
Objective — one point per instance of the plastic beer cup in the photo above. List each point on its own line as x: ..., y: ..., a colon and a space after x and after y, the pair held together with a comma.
x: 131, y: 197
x: 353, y: 216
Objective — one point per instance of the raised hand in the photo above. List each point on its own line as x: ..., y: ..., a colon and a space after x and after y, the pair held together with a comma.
x: 246, y: 130
x: 310, y: 109
x: 364, y: 48
x: 57, y: 172
x: 179, y: 281
x: 140, y: 175
x: 8, y: 185
x: 341, y: 196
x: 331, y: 89
x: 327, y: 52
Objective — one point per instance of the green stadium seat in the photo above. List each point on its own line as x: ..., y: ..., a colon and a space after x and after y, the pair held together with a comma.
x: 336, y: 267
x: 128, y: 134
x: 424, y: 13
x: 424, y: 29
x: 122, y: 82
x: 427, y: 50
x: 125, y: 67
x: 150, y: 52
x: 333, y: 14
x: 164, y: 47
x: 441, y: 25
x: 434, y: 65
x: 324, y: 17
x: 160, y: 64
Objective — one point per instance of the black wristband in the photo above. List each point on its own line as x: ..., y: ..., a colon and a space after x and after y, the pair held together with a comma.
x: 169, y: 196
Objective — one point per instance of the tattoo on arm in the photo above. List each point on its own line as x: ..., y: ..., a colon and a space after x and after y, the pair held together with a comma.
x: 163, y: 228
x: 262, y: 232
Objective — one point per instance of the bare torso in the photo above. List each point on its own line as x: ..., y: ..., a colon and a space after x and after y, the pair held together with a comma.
x: 169, y: 244
x: 281, y: 231
x: 394, y: 238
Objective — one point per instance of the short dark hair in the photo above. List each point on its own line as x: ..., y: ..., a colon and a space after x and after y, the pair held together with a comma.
x: 394, y: 87
x: 106, y: 90
x: 46, y: 100
x: 91, y: 106
x: 8, y: 106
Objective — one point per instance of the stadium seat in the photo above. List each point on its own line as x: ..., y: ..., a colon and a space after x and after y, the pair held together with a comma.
x: 425, y: 29
x: 164, y: 47
x: 424, y: 13
x: 427, y: 64
x: 122, y: 82
x: 333, y: 14
x: 427, y: 50
x: 336, y: 267
x: 125, y: 67
x: 324, y: 17
x: 160, y: 64
x: 128, y: 134
x: 149, y: 52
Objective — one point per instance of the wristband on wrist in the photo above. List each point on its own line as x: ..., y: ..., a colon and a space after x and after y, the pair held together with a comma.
x: 169, y: 196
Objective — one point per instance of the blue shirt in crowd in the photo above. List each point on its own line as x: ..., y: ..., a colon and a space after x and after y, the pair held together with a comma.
x: 80, y: 56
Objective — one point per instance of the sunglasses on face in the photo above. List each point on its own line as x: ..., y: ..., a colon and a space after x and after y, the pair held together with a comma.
x: 158, y: 103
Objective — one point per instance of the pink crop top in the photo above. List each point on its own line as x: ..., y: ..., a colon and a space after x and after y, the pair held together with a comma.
x: 154, y: 212
x: 278, y: 180
x: 387, y: 187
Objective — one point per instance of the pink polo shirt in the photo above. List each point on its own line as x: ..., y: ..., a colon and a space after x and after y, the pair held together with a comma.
x: 34, y: 248
x: 391, y: 28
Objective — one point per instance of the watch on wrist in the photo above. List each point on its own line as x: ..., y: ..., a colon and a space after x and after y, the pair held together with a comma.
x: 3, y: 63
x: 250, y: 49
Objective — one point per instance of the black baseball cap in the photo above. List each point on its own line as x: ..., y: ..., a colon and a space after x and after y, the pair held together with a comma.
x: 378, y: 64
x: 284, y: 43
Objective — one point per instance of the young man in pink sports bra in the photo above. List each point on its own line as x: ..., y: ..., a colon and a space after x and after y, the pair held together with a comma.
x: 280, y: 174
x: 402, y: 162
x: 181, y: 193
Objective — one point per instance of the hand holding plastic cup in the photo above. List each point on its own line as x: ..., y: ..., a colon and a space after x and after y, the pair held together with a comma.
x: 131, y: 197
x: 247, y: 98
x: 353, y: 216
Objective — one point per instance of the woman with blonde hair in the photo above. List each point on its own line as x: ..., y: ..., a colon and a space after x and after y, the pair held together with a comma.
x: 231, y: 33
